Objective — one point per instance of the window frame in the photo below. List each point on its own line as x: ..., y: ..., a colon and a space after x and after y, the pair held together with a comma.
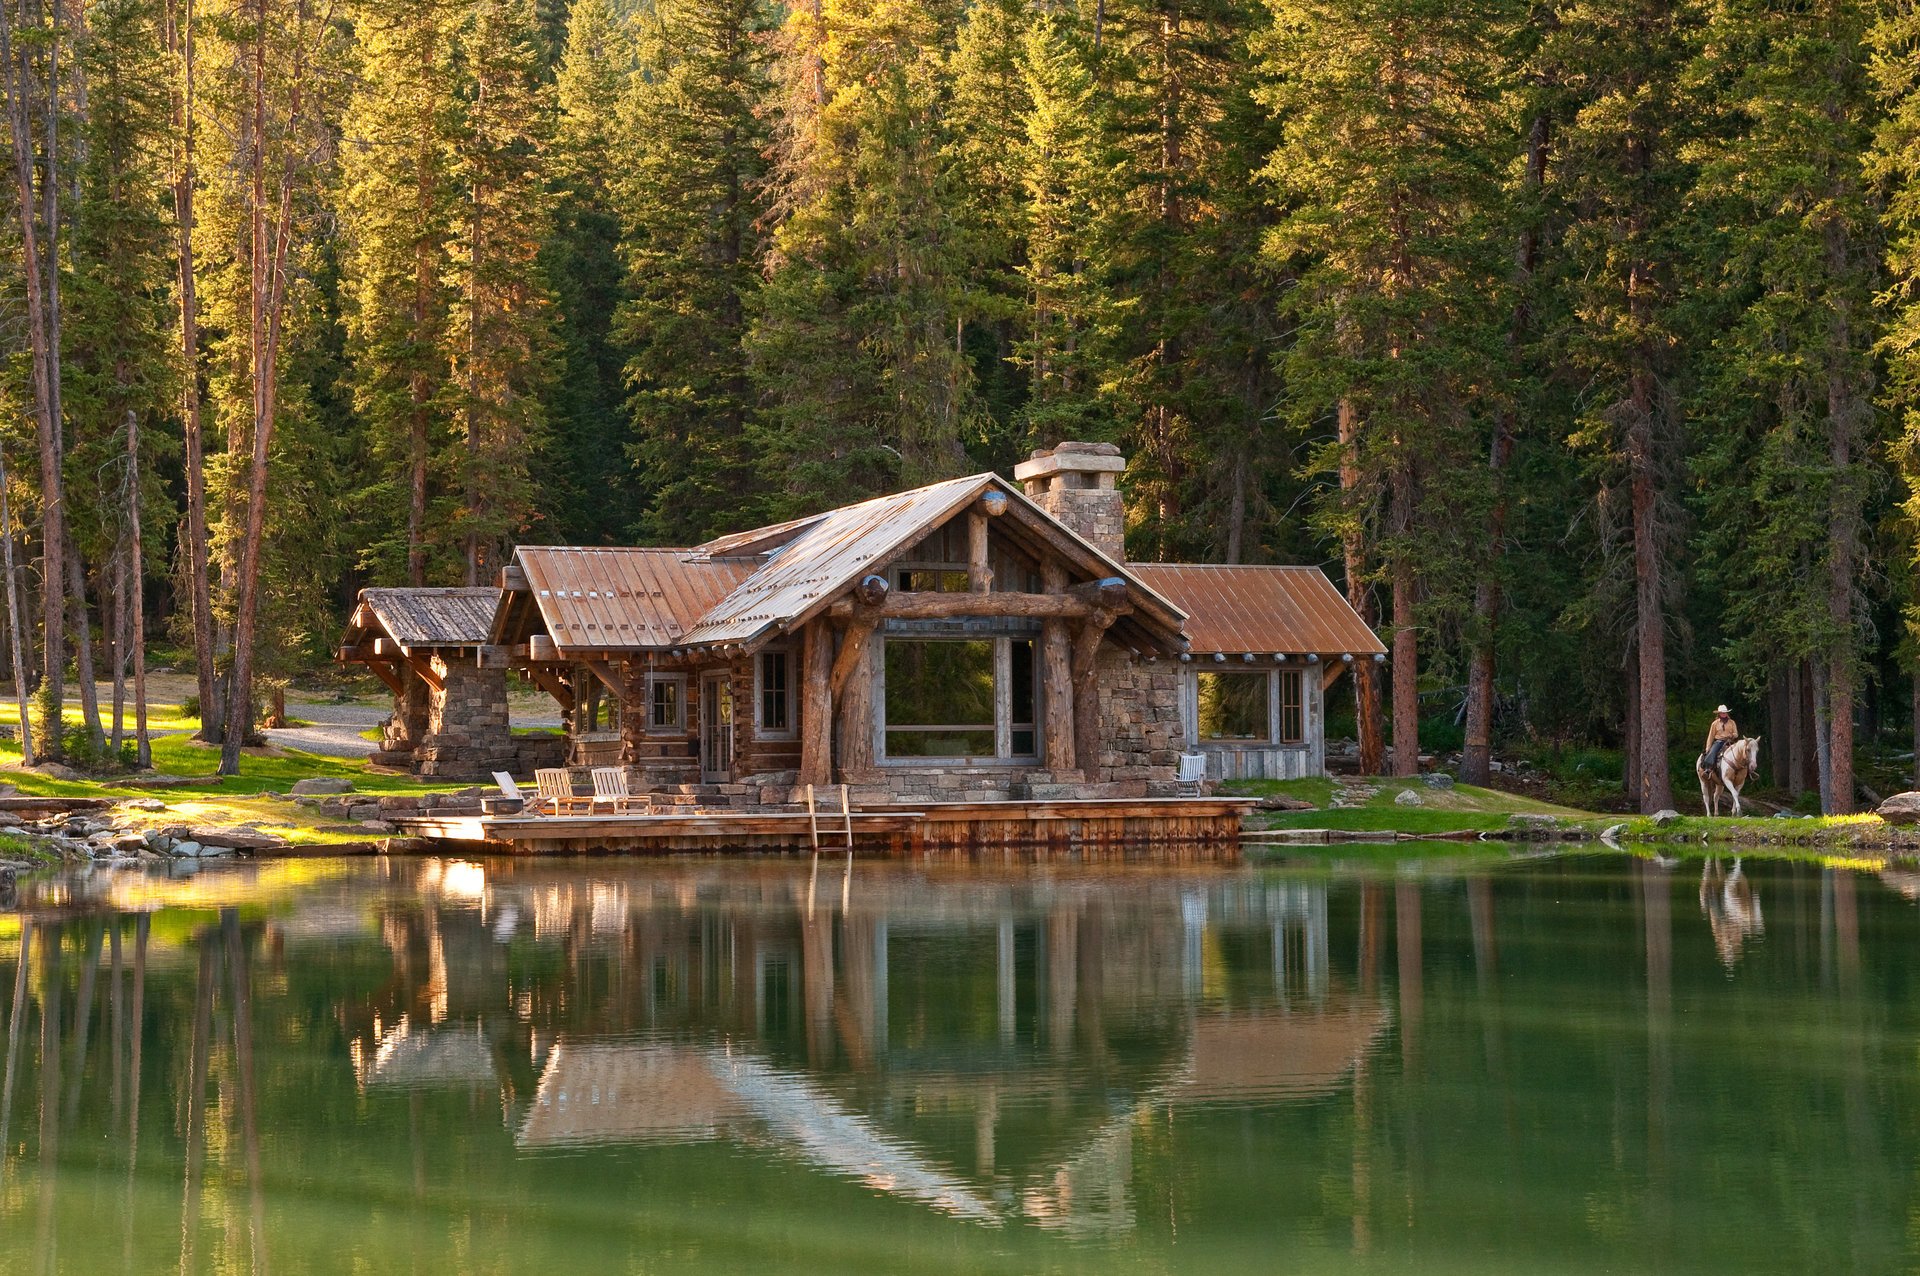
x: 679, y: 682
x: 1003, y: 725
x: 1276, y: 737
x: 761, y: 730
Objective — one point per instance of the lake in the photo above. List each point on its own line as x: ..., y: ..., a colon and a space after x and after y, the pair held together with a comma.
x: 1580, y: 1062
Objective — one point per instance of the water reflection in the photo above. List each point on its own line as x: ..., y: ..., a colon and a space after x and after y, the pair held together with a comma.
x: 373, y: 1065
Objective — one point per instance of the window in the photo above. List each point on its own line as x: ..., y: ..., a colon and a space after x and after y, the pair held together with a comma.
x: 775, y: 671
x: 1293, y: 712
x: 667, y: 702
x: 1250, y: 706
x: 940, y: 701
x: 1024, y: 740
x: 1233, y: 706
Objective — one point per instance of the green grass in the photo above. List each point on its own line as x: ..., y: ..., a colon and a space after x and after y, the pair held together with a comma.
x: 1459, y: 809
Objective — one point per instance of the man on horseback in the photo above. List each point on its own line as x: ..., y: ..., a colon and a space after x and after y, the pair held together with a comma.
x: 1721, y: 732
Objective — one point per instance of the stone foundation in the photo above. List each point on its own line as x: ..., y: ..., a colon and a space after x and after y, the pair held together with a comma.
x: 467, y: 734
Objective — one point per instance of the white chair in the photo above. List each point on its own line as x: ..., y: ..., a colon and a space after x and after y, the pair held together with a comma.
x: 511, y: 799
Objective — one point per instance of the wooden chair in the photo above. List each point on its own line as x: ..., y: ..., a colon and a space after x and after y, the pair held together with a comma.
x: 556, y: 792
x: 511, y: 800
x: 610, y: 790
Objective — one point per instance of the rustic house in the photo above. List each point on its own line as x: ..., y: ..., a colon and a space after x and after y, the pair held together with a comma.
x: 971, y: 640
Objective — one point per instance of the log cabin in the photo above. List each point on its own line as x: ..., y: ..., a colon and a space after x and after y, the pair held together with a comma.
x: 973, y: 640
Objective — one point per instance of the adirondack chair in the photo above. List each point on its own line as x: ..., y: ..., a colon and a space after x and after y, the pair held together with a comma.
x: 610, y: 792
x: 511, y: 799
x: 556, y: 792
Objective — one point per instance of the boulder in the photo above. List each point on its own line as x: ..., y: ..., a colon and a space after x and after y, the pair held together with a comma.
x: 1901, y: 808
x: 1408, y: 797
x: 376, y: 826
x: 1661, y: 819
x: 184, y: 850
x: 1276, y: 802
x: 149, y: 805
x: 315, y: 784
x: 238, y: 839
x: 1438, y: 780
x: 58, y: 771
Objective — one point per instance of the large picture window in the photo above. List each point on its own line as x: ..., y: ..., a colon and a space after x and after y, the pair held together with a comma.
x: 960, y: 698
x: 1250, y: 706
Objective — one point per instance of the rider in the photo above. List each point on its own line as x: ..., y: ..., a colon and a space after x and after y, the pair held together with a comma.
x: 1721, y: 732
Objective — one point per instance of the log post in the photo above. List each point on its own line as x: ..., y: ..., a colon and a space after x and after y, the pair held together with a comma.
x: 979, y: 572
x: 816, y: 707
x: 1056, y: 678
x: 855, y: 706
x: 1086, y: 691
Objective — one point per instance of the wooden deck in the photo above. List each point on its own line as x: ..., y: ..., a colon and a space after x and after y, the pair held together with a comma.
x: 1209, y: 827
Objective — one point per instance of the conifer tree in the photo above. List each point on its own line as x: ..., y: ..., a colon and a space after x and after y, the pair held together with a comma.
x: 858, y: 336
x: 499, y: 336
x: 395, y: 202
x: 1788, y: 243
x: 694, y: 202
x: 1389, y: 169
x: 588, y: 497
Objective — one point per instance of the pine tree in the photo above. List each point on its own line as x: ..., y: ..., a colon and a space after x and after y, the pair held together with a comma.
x: 694, y: 202
x: 589, y: 496
x: 1389, y: 170
x: 1622, y: 173
x: 1787, y: 241
x: 395, y: 202
x: 858, y: 335
x: 499, y: 337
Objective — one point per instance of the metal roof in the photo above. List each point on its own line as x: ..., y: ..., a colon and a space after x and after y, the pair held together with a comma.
x: 843, y: 544
x: 434, y: 617
x: 1277, y: 610
x: 613, y: 599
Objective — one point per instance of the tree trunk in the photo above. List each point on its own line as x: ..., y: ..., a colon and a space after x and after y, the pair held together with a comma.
x: 1805, y: 750
x: 1822, y: 734
x: 1406, y: 674
x: 117, y: 650
x: 136, y: 610
x: 1656, y: 785
x: 1916, y: 728
x: 1630, y: 731
x: 1366, y: 675
x: 1779, y: 738
x: 1476, y: 757
x: 16, y: 640
x: 42, y: 286
x: 83, y: 645
x: 200, y: 591
x: 1846, y: 406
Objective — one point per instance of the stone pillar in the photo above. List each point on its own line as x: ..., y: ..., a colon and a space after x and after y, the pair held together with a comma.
x: 468, y: 735
x: 1075, y: 483
x: 401, y: 733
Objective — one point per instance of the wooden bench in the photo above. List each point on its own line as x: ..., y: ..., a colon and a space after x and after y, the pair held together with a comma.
x: 610, y: 792
x: 555, y: 785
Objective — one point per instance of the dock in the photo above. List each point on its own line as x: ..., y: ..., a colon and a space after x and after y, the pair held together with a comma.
x: 1200, y: 827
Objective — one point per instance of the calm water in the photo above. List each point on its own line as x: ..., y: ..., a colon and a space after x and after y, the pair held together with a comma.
x: 1572, y: 1064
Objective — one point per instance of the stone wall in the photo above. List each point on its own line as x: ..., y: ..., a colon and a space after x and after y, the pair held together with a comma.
x: 468, y: 735
x: 1141, y: 732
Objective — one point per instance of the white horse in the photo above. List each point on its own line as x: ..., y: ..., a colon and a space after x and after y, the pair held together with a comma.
x: 1738, y: 762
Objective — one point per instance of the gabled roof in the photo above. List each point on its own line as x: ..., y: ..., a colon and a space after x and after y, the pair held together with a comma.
x: 592, y: 599
x: 1264, y: 610
x: 834, y: 551
x: 460, y: 617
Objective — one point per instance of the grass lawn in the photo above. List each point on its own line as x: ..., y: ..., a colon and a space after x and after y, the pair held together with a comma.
x: 1461, y: 808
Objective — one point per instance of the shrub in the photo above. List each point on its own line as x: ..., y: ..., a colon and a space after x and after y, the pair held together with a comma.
x: 46, y: 721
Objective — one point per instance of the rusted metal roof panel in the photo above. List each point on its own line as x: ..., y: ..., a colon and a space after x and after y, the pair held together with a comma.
x: 1265, y: 610
x: 434, y: 617
x: 625, y: 599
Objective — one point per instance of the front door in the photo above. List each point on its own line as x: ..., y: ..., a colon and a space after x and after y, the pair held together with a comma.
x: 716, y: 729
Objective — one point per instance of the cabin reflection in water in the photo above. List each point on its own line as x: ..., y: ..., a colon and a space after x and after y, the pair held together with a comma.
x: 715, y: 1004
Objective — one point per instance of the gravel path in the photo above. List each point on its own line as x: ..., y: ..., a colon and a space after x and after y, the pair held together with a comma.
x: 335, y: 728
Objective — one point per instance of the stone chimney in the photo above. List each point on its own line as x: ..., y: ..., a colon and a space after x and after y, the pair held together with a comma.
x: 1074, y: 482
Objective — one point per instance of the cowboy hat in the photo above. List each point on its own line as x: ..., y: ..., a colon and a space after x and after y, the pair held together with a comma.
x: 1723, y: 709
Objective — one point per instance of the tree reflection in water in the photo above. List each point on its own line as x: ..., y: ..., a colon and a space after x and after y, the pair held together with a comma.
x: 439, y: 1065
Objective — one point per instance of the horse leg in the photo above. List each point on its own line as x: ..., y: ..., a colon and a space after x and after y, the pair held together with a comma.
x: 1706, y: 805
x: 1734, y: 791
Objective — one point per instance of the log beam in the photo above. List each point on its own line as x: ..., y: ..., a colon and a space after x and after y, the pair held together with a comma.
x: 553, y: 684
x: 424, y: 667
x: 929, y: 605
x: 816, y: 705
x: 389, y: 673
x: 1331, y: 674
x: 1056, y: 676
x: 608, y: 678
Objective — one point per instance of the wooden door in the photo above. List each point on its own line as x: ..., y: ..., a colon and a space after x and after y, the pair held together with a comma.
x: 716, y: 729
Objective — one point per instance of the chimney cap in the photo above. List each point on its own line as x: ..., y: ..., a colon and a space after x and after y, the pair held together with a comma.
x: 1072, y: 458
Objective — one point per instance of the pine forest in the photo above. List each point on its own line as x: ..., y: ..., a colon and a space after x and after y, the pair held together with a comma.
x: 1577, y: 340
